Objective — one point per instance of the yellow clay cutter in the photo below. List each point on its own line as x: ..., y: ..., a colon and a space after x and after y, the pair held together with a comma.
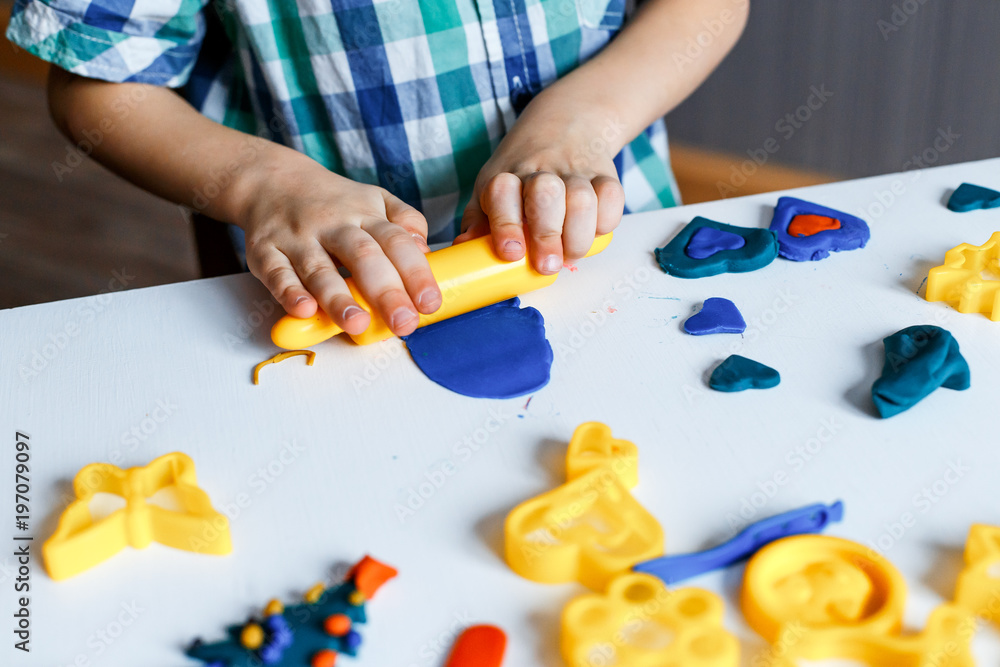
x: 470, y: 276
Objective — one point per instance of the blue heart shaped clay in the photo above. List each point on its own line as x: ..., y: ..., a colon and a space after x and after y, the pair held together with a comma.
x: 707, y: 241
x: 737, y: 373
x: 717, y: 315
x: 968, y: 197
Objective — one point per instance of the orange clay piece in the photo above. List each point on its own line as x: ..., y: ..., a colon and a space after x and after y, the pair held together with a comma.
x: 808, y: 225
x: 479, y: 646
x: 337, y: 625
x: 369, y: 574
x: 281, y: 356
x: 978, y: 588
x: 324, y: 658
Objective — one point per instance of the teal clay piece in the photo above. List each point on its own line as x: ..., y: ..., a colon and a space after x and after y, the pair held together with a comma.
x: 918, y: 360
x: 760, y: 249
x: 738, y: 373
x: 968, y: 197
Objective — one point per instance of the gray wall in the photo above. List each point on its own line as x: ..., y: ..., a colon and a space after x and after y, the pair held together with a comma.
x: 893, y: 89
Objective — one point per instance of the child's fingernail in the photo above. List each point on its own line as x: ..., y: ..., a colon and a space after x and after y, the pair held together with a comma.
x: 352, y: 311
x: 429, y: 298
x: 402, y: 317
x: 419, y: 239
x: 551, y: 264
x: 512, y: 246
x: 301, y: 299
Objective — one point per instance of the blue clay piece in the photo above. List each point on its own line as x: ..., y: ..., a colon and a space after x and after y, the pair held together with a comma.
x: 853, y: 232
x: 738, y: 373
x: 759, y: 249
x: 495, y: 352
x: 918, y: 360
x: 707, y: 241
x: 716, y: 316
x: 969, y: 197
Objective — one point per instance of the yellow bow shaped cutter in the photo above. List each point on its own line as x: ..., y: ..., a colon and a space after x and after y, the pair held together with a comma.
x: 79, y: 542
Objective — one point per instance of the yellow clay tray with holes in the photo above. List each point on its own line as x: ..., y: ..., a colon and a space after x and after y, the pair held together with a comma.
x: 960, y: 283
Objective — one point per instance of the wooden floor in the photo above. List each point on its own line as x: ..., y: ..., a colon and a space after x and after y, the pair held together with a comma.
x: 70, y: 237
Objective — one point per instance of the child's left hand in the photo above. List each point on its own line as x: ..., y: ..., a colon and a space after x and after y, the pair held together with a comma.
x: 550, y: 187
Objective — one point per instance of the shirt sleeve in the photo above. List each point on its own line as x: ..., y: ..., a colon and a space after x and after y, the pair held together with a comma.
x: 140, y: 41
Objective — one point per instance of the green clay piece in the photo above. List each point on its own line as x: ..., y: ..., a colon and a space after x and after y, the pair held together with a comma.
x: 918, y: 360
x: 738, y: 373
x: 761, y: 249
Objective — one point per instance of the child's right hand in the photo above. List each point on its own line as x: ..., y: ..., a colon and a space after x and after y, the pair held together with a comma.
x: 302, y: 220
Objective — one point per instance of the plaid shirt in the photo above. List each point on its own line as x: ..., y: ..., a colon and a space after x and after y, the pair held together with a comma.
x: 412, y: 95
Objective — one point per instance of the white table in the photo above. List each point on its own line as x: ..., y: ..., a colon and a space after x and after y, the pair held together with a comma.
x: 172, y: 364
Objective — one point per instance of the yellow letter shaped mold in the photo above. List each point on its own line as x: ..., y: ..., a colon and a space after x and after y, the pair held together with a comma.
x: 590, y: 528
x: 816, y: 597
x: 639, y: 623
x: 978, y: 588
x: 80, y: 543
x: 960, y: 283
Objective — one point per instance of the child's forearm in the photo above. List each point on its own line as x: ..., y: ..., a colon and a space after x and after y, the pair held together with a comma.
x: 665, y: 52
x: 155, y: 139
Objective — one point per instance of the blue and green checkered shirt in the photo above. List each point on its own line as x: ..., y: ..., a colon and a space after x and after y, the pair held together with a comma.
x: 412, y: 95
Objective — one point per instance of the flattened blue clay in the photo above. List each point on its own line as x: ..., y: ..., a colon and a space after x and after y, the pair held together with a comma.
x: 717, y: 315
x: 738, y: 373
x: 707, y: 241
x: 968, y: 197
x: 853, y: 232
x: 495, y: 352
x: 759, y: 249
x: 918, y: 360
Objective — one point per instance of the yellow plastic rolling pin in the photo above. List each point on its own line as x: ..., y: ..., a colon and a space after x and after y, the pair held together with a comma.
x: 470, y: 276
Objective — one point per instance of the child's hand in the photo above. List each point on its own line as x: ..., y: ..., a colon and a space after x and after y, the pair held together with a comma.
x: 301, y: 221
x: 550, y: 186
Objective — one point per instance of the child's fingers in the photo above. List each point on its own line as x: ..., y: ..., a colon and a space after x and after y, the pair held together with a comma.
x: 581, y: 217
x: 375, y: 276
x: 399, y: 212
x: 319, y: 275
x: 408, y: 257
x: 610, y: 203
x: 275, y: 270
x: 501, y: 202
x: 544, y: 213
x: 474, y: 222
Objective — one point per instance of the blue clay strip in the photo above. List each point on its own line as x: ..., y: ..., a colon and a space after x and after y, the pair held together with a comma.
x: 968, y: 197
x: 760, y: 248
x: 802, y: 521
x: 738, y: 373
x: 918, y: 360
x: 495, y: 352
x: 717, y: 315
x: 707, y: 241
x: 853, y: 232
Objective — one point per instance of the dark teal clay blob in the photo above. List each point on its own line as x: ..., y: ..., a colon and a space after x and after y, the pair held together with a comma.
x: 291, y: 637
x: 759, y: 249
x: 918, y: 360
x: 707, y: 241
x: 969, y: 197
x: 495, y: 352
x: 716, y: 316
x: 739, y: 373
